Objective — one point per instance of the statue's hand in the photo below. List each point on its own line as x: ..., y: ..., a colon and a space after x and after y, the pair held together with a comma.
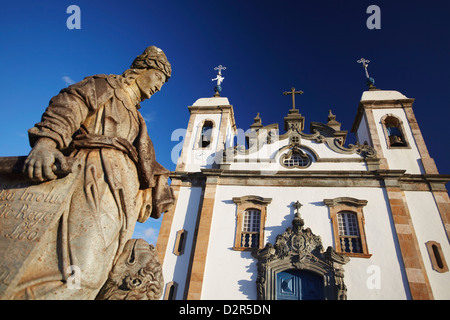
x: 40, y: 163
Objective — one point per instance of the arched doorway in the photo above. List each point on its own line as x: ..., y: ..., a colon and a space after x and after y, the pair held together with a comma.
x: 296, y: 267
x: 294, y: 284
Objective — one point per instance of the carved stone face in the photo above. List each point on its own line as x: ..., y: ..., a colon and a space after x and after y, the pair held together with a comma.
x: 150, y: 82
x: 137, y: 274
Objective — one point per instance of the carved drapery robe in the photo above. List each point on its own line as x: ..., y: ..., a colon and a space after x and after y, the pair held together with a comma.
x: 96, y: 122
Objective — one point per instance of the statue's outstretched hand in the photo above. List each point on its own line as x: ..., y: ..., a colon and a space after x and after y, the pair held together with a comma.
x: 40, y: 164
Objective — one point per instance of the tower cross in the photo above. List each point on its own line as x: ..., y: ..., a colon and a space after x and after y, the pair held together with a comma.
x: 293, y: 92
x: 370, y: 81
x: 219, y: 79
x: 297, y: 206
x: 220, y: 68
x: 365, y: 65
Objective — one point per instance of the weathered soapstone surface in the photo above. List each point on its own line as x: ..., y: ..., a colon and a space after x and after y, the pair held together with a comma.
x: 27, y: 211
x: 68, y: 210
x: 137, y: 274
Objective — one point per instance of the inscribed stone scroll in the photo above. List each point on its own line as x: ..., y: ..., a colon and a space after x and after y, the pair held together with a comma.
x: 27, y: 210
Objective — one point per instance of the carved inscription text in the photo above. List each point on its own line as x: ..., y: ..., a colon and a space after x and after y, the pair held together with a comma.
x: 25, y: 209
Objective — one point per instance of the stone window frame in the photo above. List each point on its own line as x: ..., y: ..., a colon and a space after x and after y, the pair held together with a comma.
x: 346, y: 204
x: 171, y: 291
x: 180, y: 242
x: 289, y: 154
x: 247, y: 203
x: 400, y: 128
x: 437, y: 256
x: 197, y: 145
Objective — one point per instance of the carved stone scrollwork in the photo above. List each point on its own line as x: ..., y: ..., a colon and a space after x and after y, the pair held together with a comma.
x: 321, y: 133
x: 363, y: 150
x: 137, y: 274
x: 299, y: 248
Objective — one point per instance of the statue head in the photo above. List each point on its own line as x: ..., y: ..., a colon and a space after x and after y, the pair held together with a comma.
x: 153, y: 58
x: 149, y: 71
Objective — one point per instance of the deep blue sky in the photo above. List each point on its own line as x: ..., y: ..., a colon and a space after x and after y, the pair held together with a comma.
x: 267, y: 47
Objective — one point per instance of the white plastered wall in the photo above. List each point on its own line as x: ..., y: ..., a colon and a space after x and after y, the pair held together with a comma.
x: 232, y: 274
x: 428, y: 227
x: 175, y: 268
x: 362, y: 133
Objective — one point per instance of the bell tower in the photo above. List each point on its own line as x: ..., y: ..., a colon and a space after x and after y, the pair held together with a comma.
x: 184, y: 233
x: 211, y: 126
x: 385, y: 120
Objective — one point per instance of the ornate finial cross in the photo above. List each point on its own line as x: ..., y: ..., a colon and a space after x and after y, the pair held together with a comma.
x: 297, y: 206
x: 370, y: 81
x: 365, y: 65
x: 219, y: 79
x: 298, y: 222
x: 220, y: 68
x: 293, y: 92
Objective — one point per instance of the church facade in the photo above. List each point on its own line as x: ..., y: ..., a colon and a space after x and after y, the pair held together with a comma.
x: 278, y: 213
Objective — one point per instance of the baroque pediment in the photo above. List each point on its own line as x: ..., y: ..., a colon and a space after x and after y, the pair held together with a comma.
x: 297, y: 243
x: 320, y: 134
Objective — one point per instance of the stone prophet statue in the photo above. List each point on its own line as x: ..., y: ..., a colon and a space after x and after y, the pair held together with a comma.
x: 117, y: 181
